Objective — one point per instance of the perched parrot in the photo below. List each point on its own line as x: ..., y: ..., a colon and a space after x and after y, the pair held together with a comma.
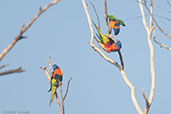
x: 56, y: 78
x: 107, y: 43
x: 115, y: 24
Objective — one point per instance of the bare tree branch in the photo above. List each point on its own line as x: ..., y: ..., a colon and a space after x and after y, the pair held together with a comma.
x: 147, y: 103
x: 162, y: 45
x: 111, y: 61
x: 24, y: 29
x: 50, y: 64
x: 47, y: 74
x: 161, y: 30
x: 66, y: 93
x: 18, y: 70
x: 106, y: 18
x: 58, y: 102
x: 121, y: 59
x: 92, y: 39
x: 96, y: 14
x: 3, y: 66
x: 62, y: 99
x: 149, y: 35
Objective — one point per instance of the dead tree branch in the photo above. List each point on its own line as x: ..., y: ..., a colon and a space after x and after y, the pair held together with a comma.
x: 66, y: 93
x: 3, y: 66
x: 96, y: 14
x: 18, y: 70
x: 62, y: 99
x: 161, y: 30
x: 58, y: 102
x: 106, y: 18
x: 149, y: 30
x: 147, y: 103
x: 111, y: 61
x: 162, y: 45
x: 24, y: 29
x: 121, y: 59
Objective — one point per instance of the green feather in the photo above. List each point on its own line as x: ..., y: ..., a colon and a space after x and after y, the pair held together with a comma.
x: 103, y: 38
x: 121, y: 22
x: 111, y: 17
x: 53, y: 91
x: 115, y: 19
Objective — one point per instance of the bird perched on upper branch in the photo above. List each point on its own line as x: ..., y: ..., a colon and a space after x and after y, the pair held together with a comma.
x: 56, y: 79
x: 115, y: 24
x: 106, y: 42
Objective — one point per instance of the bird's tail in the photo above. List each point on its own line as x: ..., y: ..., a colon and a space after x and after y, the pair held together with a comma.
x: 51, y: 99
x: 53, y: 93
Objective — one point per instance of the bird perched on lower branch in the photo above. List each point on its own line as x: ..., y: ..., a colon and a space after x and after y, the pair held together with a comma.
x: 56, y: 79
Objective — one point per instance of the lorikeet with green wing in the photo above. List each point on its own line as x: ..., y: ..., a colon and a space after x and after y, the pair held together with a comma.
x: 107, y: 43
x: 115, y: 24
x: 56, y: 78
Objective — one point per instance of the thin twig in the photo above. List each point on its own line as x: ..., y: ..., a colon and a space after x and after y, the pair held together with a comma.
x: 58, y: 102
x: 121, y: 59
x: 147, y: 103
x: 62, y: 99
x: 3, y: 66
x: 161, y: 30
x: 106, y: 18
x: 149, y: 35
x: 47, y: 74
x: 96, y: 14
x: 162, y: 45
x: 24, y: 29
x: 18, y: 70
x: 50, y: 64
x: 66, y: 93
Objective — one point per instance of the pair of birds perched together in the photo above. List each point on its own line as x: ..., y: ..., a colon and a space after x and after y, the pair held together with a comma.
x: 56, y: 79
x: 106, y: 42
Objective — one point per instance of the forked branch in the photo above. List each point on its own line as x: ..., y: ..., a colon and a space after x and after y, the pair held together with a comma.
x: 48, y: 77
x: 149, y: 30
x: 111, y: 61
x: 60, y: 85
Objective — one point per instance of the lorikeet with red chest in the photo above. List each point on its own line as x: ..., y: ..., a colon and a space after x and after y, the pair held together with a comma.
x: 107, y: 43
x: 115, y: 24
x: 56, y: 78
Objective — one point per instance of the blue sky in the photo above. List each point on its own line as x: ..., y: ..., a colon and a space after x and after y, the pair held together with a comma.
x: 63, y: 33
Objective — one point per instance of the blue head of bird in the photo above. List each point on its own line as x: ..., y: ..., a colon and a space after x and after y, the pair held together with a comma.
x: 118, y: 44
x: 55, y: 66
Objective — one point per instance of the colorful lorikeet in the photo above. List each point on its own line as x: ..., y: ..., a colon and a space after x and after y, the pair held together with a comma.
x: 115, y: 24
x: 103, y: 38
x: 107, y: 43
x: 56, y: 78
